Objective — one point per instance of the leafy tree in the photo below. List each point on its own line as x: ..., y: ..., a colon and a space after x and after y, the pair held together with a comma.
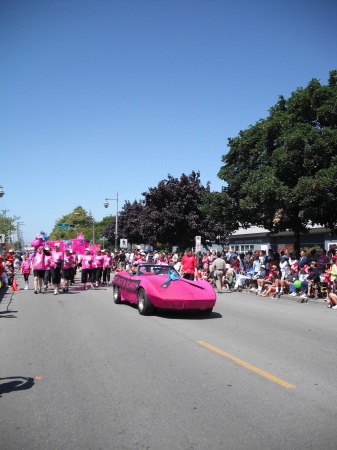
x: 281, y: 173
x: 80, y: 221
x: 171, y: 213
x: 218, y: 212
x: 7, y: 225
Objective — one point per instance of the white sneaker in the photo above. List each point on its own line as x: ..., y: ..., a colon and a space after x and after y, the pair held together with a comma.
x: 293, y: 294
x: 56, y: 292
x: 26, y: 287
x: 334, y: 307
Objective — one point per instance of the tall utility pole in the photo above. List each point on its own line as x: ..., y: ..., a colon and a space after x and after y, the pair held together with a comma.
x: 93, y: 227
x: 4, y: 211
x: 19, y: 233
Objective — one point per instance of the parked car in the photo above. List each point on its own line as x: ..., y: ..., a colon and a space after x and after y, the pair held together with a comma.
x: 153, y: 286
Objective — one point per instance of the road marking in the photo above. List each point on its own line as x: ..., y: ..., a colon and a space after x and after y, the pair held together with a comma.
x: 248, y: 366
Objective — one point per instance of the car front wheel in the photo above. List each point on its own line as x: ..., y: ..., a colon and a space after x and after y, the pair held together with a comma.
x: 144, y: 305
x: 116, y: 294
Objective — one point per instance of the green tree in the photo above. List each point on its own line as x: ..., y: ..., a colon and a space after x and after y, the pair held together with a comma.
x: 80, y: 221
x: 172, y: 215
x: 7, y: 226
x: 281, y: 173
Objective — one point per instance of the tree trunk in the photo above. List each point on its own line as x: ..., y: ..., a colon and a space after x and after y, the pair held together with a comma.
x: 297, y: 243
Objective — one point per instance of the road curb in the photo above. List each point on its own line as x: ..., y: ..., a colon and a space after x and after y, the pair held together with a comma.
x: 313, y: 301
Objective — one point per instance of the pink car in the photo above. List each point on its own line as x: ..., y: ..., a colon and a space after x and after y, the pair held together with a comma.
x: 160, y: 286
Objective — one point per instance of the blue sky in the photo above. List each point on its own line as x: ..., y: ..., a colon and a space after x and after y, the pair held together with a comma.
x: 99, y: 97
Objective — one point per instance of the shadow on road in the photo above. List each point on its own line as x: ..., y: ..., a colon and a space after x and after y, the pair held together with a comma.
x: 7, y: 315
x: 188, y: 315
x: 176, y: 314
x: 15, y: 384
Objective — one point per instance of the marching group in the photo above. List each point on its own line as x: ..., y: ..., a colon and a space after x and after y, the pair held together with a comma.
x: 56, y: 268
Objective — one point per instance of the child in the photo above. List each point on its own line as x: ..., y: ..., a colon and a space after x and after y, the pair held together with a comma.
x: 25, y: 270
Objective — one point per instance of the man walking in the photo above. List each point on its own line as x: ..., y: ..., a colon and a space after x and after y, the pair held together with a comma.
x: 219, y: 267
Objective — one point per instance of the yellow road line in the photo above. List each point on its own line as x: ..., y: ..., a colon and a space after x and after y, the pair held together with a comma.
x: 248, y: 366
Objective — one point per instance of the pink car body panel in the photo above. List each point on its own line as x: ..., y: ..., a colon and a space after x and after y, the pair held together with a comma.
x: 180, y: 294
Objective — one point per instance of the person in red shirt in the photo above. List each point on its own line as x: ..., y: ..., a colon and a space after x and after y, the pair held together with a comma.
x: 189, y: 265
x: 10, y: 257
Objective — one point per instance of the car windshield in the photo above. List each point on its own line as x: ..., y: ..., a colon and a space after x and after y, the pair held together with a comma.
x: 155, y: 269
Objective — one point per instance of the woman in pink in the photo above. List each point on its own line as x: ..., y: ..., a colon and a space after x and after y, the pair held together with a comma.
x: 39, y: 268
x: 212, y: 257
x: 97, y: 264
x: 55, y: 267
x: 68, y: 263
x: 162, y: 259
x: 86, y: 264
x: 47, y: 274
x: 205, y: 261
x: 25, y: 270
x: 107, y: 265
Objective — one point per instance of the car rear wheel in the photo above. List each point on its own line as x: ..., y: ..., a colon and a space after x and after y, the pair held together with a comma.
x: 116, y: 294
x: 144, y: 305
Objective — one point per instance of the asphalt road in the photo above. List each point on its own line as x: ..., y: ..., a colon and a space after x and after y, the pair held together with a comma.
x: 79, y: 372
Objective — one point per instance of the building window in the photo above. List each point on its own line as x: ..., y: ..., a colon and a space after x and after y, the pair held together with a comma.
x: 242, y: 248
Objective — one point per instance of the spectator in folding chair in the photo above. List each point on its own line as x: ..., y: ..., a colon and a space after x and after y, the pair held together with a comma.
x: 267, y: 282
x: 270, y: 282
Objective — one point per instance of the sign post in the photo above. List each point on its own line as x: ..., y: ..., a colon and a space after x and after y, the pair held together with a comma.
x: 123, y: 243
x: 198, y: 243
x: 63, y: 226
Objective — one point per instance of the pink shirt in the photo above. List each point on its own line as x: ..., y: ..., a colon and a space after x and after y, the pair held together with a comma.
x: 86, y: 261
x: 56, y: 258
x: 162, y: 261
x: 38, y: 261
x: 107, y: 261
x: 68, y: 261
x: 25, y: 266
x: 98, y: 261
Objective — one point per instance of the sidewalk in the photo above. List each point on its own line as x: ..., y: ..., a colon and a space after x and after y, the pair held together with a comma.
x: 315, y: 301
x: 6, y: 294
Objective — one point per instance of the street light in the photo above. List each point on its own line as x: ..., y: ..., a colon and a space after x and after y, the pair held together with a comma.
x: 2, y: 192
x: 106, y: 204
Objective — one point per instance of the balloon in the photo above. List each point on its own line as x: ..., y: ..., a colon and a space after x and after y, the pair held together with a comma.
x: 297, y: 284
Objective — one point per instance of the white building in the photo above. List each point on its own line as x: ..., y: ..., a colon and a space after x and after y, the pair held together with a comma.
x: 258, y: 238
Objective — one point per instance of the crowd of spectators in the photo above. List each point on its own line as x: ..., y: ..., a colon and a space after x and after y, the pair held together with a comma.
x: 271, y: 273
x: 7, y: 265
x: 265, y: 273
